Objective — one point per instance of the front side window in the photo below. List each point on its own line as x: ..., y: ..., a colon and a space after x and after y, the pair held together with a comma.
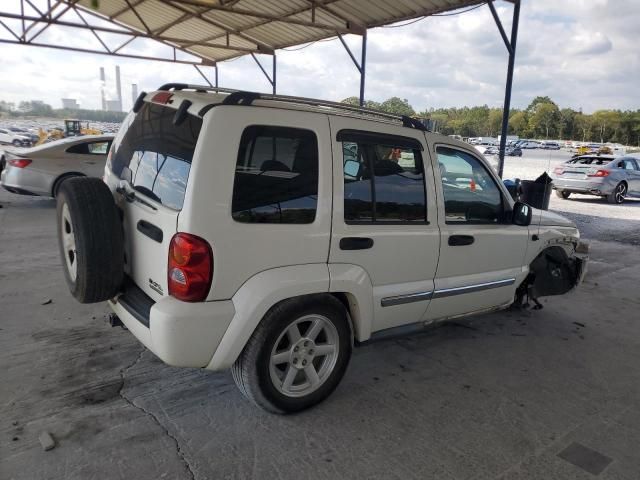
x: 470, y: 193
x: 276, y: 179
x: 383, y: 180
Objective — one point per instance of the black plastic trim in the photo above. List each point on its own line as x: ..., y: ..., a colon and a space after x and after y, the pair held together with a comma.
x: 139, y: 102
x: 363, y: 136
x: 150, y: 230
x: 136, y: 302
x: 240, y: 98
x: 182, y: 112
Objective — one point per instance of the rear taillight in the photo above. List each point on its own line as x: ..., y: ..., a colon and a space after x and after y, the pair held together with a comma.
x: 19, y: 162
x: 598, y: 173
x: 558, y: 170
x: 190, y: 268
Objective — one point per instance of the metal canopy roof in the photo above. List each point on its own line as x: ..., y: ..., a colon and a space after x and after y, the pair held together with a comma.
x: 215, y: 30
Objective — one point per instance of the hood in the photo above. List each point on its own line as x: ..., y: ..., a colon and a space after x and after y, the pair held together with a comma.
x: 545, y: 217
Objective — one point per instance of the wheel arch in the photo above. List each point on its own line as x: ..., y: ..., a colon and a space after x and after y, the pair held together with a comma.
x: 61, y: 178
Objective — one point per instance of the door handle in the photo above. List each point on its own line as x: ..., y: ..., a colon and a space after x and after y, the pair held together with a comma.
x: 355, y: 243
x: 460, y: 240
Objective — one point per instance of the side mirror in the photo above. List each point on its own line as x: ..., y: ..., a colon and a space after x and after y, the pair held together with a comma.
x: 352, y: 168
x: 521, y: 214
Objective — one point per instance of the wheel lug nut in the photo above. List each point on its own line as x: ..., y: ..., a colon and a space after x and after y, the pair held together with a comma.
x: 295, y: 349
x: 311, y: 352
x: 304, y: 362
x: 306, y: 344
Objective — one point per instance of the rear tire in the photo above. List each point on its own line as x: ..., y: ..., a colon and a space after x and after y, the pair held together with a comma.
x: 58, y: 183
x: 562, y: 194
x: 90, y: 239
x: 297, y: 355
x: 618, y: 194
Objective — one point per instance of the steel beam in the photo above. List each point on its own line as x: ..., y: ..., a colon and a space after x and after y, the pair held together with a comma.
x: 507, y: 92
x: 271, y: 79
x: 360, y: 66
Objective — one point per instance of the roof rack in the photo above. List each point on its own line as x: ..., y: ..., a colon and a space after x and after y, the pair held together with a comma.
x: 242, y: 97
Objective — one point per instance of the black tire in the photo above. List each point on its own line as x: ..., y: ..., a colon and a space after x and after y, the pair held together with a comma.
x: 618, y: 194
x: 86, y: 213
x: 59, y: 181
x: 562, y: 194
x: 251, y: 370
x: 16, y: 143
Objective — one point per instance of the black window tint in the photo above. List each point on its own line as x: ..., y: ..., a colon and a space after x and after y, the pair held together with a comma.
x: 383, y: 182
x: 78, y: 148
x: 276, y: 177
x: 158, y: 153
x: 470, y: 192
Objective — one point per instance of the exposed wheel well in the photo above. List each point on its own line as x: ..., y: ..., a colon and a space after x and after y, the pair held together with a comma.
x: 58, y: 181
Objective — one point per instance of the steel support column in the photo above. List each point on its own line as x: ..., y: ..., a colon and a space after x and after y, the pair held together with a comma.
x: 363, y: 67
x: 511, y: 48
x: 360, y: 66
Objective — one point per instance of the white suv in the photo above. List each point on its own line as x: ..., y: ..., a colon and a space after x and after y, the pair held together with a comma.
x: 270, y: 234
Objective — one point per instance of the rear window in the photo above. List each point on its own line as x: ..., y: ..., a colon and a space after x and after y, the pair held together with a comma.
x: 589, y: 161
x: 158, y: 154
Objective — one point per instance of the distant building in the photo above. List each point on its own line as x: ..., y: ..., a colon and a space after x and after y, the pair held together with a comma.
x: 70, y: 104
x: 134, y: 93
x: 113, y: 106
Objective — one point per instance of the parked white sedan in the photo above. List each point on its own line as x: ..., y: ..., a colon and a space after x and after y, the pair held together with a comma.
x: 41, y: 170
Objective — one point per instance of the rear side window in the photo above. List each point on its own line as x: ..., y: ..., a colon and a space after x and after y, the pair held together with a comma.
x: 92, y: 148
x: 383, y: 179
x: 276, y: 179
x: 158, y: 154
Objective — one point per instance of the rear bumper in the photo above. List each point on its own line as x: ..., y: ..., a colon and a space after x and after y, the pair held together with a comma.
x: 25, y: 181
x: 181, y: 334
x: 582, y: 186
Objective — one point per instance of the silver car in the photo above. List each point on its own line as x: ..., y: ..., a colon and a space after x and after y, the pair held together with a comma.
x: 41, y: 170
x: 614, y: 178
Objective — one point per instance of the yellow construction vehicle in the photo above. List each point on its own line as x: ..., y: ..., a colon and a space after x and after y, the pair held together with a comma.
x: 72, y: 128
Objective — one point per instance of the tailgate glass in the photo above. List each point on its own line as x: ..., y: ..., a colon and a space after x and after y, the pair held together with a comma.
x: 158, y: 154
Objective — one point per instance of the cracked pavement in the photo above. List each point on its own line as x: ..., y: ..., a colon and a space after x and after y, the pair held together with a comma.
x: 497, y: 396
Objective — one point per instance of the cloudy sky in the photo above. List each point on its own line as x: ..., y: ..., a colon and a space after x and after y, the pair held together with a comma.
x: 582, y: 53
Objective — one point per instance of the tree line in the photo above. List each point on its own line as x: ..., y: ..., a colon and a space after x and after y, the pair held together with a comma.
x: 37, y: 108
x: 542, y: 119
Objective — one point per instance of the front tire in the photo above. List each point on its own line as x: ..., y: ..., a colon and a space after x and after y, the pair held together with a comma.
x: 562, y: 194
x: 297, y: 355
x: 618, y: 194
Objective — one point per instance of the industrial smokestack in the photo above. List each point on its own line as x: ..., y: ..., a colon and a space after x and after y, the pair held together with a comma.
x: 103, y: 82
x: 119, y: 88
x: 134, y: 93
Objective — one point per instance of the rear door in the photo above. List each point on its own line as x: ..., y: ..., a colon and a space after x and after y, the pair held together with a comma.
x: 481, y: 254
x: 151, y: 162
x: 632, y: 169
x: 384, y: 216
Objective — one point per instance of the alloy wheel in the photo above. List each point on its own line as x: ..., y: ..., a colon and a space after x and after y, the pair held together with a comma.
x: 69, y: 243
x: 304, y: 355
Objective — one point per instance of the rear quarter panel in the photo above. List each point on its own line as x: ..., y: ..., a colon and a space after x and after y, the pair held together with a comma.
x: 241, y: 250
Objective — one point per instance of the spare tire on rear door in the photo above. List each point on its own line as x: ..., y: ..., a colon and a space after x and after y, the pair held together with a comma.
x: 90, y: 238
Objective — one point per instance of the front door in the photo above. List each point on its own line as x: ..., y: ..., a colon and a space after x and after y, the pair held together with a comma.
x: 481, y: 255
x: 384, y: 216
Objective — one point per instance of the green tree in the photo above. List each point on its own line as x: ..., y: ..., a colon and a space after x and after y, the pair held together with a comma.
x: 566, y: 123
x: 583, y: 124
x: 606, y: 122
x: 544, y: 118
x: 519, y: 123
x: 397, y: 106
x: 494, y: 122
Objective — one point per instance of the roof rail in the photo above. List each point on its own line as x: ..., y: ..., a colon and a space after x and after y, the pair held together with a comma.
x: 242, y: 97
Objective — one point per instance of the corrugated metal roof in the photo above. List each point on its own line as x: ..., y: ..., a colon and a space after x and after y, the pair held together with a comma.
x: 216, y: 30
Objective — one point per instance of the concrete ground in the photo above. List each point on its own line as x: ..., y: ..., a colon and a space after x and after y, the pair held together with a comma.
x: 550, y: 394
